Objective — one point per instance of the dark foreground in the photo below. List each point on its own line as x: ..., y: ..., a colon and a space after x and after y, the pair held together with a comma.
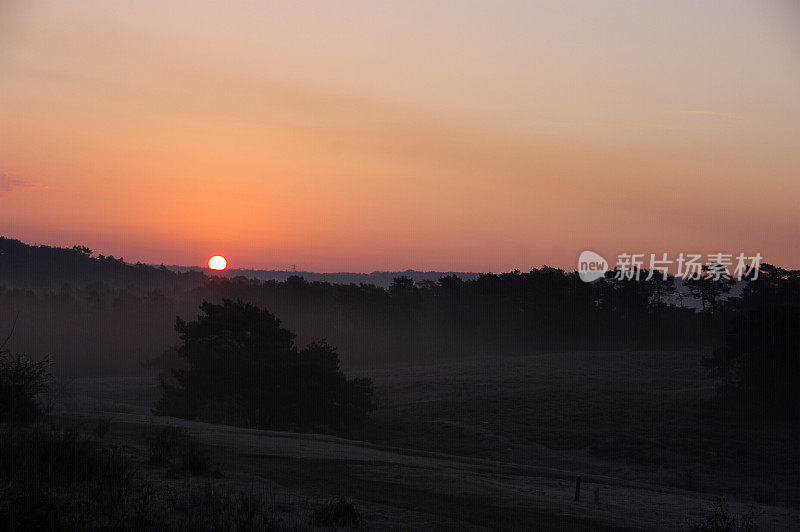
x: 401, y: 489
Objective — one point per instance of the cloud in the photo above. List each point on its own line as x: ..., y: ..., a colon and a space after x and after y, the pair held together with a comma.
x: 9, y: 184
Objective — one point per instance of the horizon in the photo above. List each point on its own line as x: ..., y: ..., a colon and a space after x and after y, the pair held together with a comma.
x: 228, y: 271
x: 750, y: 261
x: 235, y: 267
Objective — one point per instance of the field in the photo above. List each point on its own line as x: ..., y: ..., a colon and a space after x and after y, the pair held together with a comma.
x: 502, y: 440
x: 640, y: 416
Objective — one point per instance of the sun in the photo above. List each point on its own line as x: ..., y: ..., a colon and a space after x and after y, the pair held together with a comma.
x: 217, y: 262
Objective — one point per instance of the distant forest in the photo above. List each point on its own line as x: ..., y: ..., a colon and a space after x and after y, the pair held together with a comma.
x: 379, y: 278
x: 98, y: 315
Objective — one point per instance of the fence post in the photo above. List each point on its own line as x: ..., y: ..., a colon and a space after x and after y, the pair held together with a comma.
x: 578, y: 489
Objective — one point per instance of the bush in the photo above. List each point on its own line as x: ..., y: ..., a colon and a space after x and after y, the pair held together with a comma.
x: 722, y: 520
x: 194, y: 458
x: 339, y: 513
x: 142, y: 508
x: 53, y: 480
x: 173, y: 448
x: 252, y: 511
x: 209, y: 507
x: 21, y: 382
x: 60, y: 481
x: 164, y: 444
x: 31, y: 508
x: 34, y: 455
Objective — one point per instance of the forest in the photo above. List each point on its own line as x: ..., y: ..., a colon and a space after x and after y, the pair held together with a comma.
x: 98, y: 315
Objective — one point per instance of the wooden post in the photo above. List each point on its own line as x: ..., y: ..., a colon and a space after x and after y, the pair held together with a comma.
x: 578, y: 489
x: 597, y: 495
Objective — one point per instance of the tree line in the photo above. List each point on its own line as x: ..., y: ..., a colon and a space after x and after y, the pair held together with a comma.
x: 104, y: 315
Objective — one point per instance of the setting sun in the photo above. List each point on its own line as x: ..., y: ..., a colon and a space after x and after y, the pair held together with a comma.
x: 217, y: 262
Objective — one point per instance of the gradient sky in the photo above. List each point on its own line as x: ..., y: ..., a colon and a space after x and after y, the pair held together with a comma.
x: 360, y: 136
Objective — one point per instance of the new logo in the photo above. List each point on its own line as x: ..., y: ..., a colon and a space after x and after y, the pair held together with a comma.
x: 591, y: 266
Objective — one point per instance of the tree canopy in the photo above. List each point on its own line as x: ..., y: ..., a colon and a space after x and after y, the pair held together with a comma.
x: 758, y: 368
x: 244, y: 369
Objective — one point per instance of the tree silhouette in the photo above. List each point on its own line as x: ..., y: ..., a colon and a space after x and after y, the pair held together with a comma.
x: 244, y: 369
x: 663, y: 287
x: 758, y: 368
x: 708, y: 288
x: 21, y: 381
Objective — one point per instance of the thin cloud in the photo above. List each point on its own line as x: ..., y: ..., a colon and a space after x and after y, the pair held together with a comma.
x: 9, y: 184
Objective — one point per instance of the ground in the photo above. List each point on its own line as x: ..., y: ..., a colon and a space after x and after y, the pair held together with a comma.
x: 496, y: 443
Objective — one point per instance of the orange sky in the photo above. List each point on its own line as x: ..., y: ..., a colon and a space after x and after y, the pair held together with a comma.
x: 362, y: 136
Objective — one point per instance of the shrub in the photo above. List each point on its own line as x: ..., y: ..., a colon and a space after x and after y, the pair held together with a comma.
x: 194, y: 458
x: 32, y: 455
x: 338, y: 513
x: 251, y: 511
x: 21, y: 382
x: 214, y: 507
x: 173, y: 448
x: 721, y: 519
x: 31, y: 508
x: 53, y: 480
x: 60, y: 481
x: 164, y: 444
x: 143, y: 508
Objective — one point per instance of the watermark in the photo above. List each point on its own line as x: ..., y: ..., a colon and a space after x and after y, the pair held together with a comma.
x: 591, y: 266
x: 688, y: 266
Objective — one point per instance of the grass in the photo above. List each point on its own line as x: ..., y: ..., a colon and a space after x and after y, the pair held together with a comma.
x: 171, y: 447
x: 194, y: 458
x: 101, y: 428
x: 33, y: 508
x: 62, y: 480
x: 215, y: 507
x: 721, y: 519
x: 338, y: 513
x: 164, y: 443
x: 648, y: 416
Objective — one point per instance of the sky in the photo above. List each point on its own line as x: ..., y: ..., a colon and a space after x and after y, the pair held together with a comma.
x: 361, y: 136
